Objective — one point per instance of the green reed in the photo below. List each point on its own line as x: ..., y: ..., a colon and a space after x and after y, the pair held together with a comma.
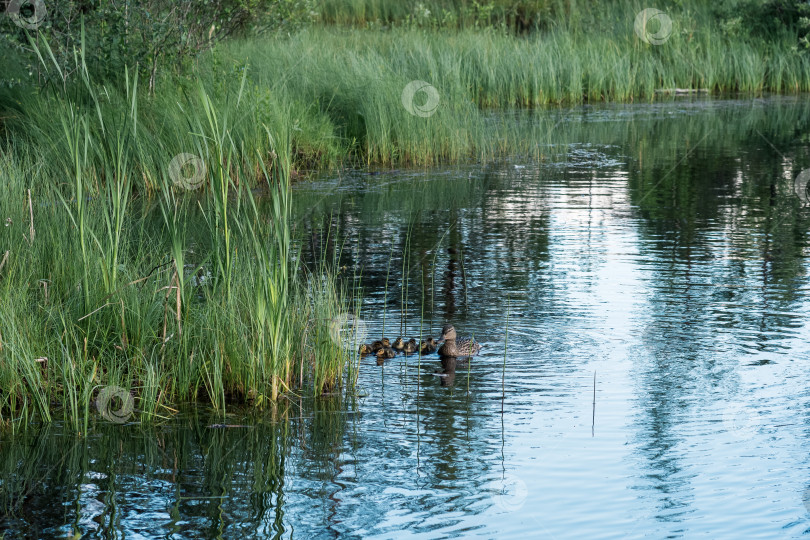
x: 132, y: 281
x: 353, y: 81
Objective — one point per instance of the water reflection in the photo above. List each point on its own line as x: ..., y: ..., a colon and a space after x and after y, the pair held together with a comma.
x: 662, y: 247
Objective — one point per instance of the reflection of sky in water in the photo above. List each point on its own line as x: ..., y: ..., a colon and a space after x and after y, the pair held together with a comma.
x: 674, y: 271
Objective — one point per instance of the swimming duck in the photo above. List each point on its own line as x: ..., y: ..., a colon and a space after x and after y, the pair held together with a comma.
x: 386, y: 352
x: 377, y: 345
x: 399, y: 344
x: 411, y: 346
x: 457, y: 347
x: 428, y: 346
x: 364, y: 350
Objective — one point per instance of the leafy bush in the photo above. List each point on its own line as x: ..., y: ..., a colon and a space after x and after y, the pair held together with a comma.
x: 150, y: 34
x: 769, y: 19
x: 519, y: 16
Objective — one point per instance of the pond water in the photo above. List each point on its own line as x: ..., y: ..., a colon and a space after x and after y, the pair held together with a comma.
x: 641, y: 285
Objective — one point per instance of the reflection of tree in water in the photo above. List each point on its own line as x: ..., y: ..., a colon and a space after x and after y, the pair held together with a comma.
x: 185, y: 475
x: 450, y: 276
x: 718, y: 232
x: 455, y: 223
x: 724, y: 262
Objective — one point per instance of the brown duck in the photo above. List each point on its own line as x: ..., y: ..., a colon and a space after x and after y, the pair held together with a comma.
x: 429, y: 346
x: 377, y: 345
x: 410, y: 346
x: 454, y: 346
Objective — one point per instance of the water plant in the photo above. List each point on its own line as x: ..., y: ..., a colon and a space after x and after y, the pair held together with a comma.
x: 133, y: 280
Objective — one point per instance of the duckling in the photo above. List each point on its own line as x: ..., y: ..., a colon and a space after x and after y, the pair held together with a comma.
x: 399, y: 344
x: 457, y: 347
x: 386, y: 352
x: 428, y: 346
x: 364, y: 350
x: 377, y: 345
x: 410, y: 347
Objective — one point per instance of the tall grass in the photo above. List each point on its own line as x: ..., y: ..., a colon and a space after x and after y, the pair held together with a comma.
x: 354, y: 80
x: 132, y: 281
x: 341, y: 89
x: 118, y: 276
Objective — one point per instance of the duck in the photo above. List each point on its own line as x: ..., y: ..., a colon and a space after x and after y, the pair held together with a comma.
x: 386, y: 352
x: 364, y: 350
x: 377, y: 345
x: 410, y: 346
x: 457, y: 347
x: 429, y: 346
x: 399, y: 344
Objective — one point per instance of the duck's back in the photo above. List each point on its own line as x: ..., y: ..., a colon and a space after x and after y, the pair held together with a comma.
x: 459, y: 347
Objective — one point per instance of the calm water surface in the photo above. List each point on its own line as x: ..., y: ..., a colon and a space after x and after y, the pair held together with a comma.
x: 650, y: 265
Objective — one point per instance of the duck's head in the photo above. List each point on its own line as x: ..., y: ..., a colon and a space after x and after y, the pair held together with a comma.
x: 386, y: 342
x: 448, y: 332
x: 398, y: 342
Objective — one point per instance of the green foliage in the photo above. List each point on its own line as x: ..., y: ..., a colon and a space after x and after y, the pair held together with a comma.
x: 130, y: 280
x: 769, y: 20
x: 148, y: 34
x: 182, y: 296
x: 518, y: 16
